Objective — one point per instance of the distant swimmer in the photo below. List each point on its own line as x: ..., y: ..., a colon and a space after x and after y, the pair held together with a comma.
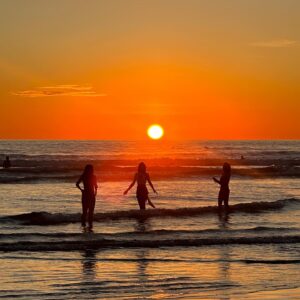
x: 89, y: 193
x: 224, y: 183
x: 242, y: 157
x: 141, y: 177
x: 6, y: 163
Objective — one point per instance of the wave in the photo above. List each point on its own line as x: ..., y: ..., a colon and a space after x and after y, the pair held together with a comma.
x: 46, y: 218
x: 273, y: 261
x: 111, y: 170
x: 159, y: 232
x: 37, y: 179
x: 88, y: 242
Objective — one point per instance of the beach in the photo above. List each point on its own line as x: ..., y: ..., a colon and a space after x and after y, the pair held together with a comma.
x: 184, y: 249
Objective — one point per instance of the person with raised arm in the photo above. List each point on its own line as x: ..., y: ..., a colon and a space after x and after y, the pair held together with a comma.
x: 224, y: 186
x: 142, y: 177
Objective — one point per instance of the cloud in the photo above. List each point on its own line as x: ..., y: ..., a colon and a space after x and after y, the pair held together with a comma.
x: 69, y: 90
x: 283, y: 43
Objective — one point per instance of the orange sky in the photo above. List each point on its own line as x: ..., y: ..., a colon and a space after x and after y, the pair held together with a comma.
x: 108, y: 69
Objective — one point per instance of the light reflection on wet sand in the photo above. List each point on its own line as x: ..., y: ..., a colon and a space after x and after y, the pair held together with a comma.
x: 195, y: 273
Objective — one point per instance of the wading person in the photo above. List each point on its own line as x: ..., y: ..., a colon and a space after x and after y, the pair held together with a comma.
x: 89, y: 192
x: 224, y: 186
x: 6, y: 163
x: 142, y: 177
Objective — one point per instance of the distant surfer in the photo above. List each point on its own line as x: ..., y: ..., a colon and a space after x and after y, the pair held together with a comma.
x: 89, y: 192
x: 6, y: 163
x: 141, y: 177
x: 224, y: 186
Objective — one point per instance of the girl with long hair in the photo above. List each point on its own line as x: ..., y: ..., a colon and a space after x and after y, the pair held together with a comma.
x: 142, y: 177
x: 89, y: 192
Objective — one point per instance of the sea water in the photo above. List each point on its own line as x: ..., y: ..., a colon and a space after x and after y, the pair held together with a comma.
x: 183, y: 249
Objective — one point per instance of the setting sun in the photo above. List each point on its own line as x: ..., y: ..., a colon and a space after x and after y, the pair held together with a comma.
x: 155, y: 132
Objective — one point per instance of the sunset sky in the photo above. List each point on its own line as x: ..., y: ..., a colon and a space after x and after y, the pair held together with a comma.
x: 210, y: 69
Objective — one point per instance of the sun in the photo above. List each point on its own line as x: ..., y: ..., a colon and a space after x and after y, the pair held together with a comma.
x: 155, y: 132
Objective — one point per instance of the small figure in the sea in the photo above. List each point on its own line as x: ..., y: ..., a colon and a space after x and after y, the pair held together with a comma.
x: 242, y: 157
x: 6, y: 163
x: 89, y: 193
x: 141, y: 177
x: 224, y: 183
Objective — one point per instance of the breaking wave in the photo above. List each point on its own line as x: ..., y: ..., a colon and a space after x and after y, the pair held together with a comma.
x: 46, y: 218
x: 90, y: 242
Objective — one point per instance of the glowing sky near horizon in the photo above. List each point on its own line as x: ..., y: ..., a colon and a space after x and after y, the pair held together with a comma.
x: 74, y: 69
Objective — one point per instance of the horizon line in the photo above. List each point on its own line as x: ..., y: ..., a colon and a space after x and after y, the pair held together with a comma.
x: 143, y: 140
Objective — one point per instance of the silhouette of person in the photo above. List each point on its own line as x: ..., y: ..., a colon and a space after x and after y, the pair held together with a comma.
x: 224, y: 186
x: 6, y: 163
x: 141, y: 177
x: 89, y: 192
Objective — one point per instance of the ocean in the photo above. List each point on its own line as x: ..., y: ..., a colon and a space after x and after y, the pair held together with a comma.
x: 182, y: 249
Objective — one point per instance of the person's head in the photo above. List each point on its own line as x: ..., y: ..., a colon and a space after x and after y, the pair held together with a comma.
x: 7, y: 157
x: 227, y: 168
x: 142, y: 167
x: 88, y: 171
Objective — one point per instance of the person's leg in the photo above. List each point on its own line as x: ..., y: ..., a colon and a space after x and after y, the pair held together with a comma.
x: 84, y: 210
x: 220, y: 201
x: 150, y: 203
x: 226, y: 200
x: 91, y: 212
x: 142, y: 204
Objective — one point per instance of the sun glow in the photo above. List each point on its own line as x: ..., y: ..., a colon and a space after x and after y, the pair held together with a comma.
x: 155, y: 132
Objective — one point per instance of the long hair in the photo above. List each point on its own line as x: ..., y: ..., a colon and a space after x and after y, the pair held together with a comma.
x: 88, y: 172
x: 227, y: 168
x: 142, y: 168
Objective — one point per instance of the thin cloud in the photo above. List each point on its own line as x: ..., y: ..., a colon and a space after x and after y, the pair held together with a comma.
x: 284, y: 43
x: 66, y: 90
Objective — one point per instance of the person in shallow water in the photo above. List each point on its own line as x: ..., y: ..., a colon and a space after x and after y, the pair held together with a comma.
x: 6, y: 163
x: 224, y: 183
x: 141, y: 177
x: 89, y: 192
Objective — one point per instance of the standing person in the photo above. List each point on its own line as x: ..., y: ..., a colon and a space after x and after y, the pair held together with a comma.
x: 224, y: 186
x: 89, y: 192
x: 6, y: 163
x: 141, y: 177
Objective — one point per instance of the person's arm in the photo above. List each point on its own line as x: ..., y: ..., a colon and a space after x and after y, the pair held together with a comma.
x: 149, y: 180
x: 78, y: 183
x: 131, y: 185
x: 95, y: 186
x: 216, y: 180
